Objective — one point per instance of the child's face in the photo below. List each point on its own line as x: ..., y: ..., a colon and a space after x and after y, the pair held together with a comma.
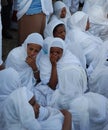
x: 56, y: 52
x: 63, y: 13
x: 33, y: 50
x: 35, y: 106
x: 60, y: 32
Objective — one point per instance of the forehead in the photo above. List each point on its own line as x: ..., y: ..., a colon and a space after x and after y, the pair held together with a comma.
x: 59, y: 27
x: 32, y: 45
x: 56, y: 49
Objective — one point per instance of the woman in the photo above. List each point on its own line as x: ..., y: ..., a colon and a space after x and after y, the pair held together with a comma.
x: 50, y: 66
x: 61, y: 12
x: 32, y: 12
x: 79, y: 26
x: 20, y: 111
x: 98, y: 72
x: 56, y: 28
x: 63, y: 86
x: 25, y: 60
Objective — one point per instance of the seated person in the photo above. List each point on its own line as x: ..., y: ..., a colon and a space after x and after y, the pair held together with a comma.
x: 20, y: 111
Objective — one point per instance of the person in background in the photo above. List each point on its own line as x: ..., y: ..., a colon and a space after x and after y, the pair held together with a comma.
x: 20, y: 111
x: 31, y: 16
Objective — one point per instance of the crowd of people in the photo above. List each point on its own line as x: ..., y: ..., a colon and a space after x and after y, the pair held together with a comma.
x: 56, y: 79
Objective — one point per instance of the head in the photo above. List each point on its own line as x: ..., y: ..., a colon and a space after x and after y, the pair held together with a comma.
x: 35, y: 106
x: 50, y: 27
x: 60, y: 9
x: 33, y: 49
x: 78, y: 20
x: 9, y: 81
x: 57, y: 48
x: 60, y: 31
x: 63, y: 12
x: 33, y: 44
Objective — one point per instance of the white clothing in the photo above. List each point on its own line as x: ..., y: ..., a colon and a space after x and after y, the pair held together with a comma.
x: 90, y: 44
x: 23, y: 6
x: 16, y: 113
x: 12, y: 99
x: 97, y: 11
x: 98, y: 72
x: 16, y: 59
x: 58, y: 6
x: 71, y: 45
x: 72, y: 4
x: 68, y: 60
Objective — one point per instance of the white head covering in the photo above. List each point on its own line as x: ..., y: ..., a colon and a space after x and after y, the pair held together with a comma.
x: 50, y: 27
x: 9, y: 81
x: 34, y: 38
x: 58, y: 5
x: 57, y: 42
x: 16, y: 59
x: 78, y: 20
x: 97, y: 15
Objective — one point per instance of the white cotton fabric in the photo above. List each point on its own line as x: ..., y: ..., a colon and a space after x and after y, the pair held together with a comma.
x: 97, y: 11
x: 68, y: 60
x: 99, y: 22
x: 18, y: 114
x: 16, y: 59
x: 58, y: 6
x: 23, y: 6
x: 15, y: 111
x: 71, y: 45
x: 89, y: 43
x: 50, y: 27
x: 98, y: 74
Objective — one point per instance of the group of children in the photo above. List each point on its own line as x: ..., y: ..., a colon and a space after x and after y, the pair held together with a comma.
x: 58, y: 82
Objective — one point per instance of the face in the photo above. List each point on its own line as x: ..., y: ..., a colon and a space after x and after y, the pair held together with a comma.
x: 33, y: 49
x: 35, y: 106
x: 88, y: 25
x: 63, y: 13
x: 60, y: 32
x: 56, y: 51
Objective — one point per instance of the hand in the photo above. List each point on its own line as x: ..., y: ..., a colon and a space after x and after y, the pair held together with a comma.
x: 53, y: 59
x: 31, y: 61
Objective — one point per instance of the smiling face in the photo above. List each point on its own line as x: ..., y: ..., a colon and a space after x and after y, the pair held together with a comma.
x: 33, y: 49
x: 56, y: 51
x: 35, y: 106
x: 59, y: 31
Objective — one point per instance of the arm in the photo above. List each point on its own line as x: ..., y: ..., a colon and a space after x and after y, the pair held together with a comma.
x: 67, y: 125
x: 32, y: 63
x: 54, y: 78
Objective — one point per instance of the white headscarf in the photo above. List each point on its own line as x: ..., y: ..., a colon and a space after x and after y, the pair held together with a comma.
x: 9, y: 81
x: 16, y: 59
x: 50, y: 27
x: 78, y: 20
x: 58, y: 5
x: 97, y: 15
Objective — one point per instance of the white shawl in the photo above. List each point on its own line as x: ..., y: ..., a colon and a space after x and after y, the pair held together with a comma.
x: 68, y: 60
x: 89, y: 43
x: 16, y: 59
